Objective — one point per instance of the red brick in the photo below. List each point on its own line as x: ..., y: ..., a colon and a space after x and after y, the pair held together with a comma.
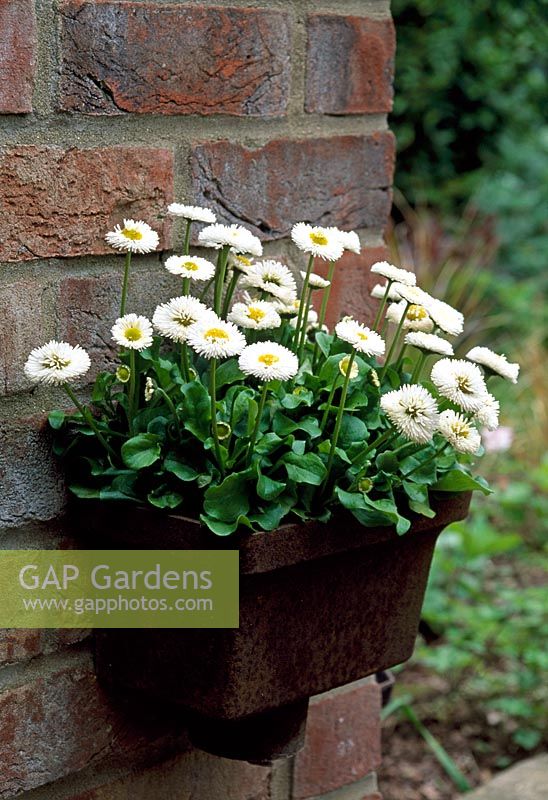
x: 350, y: 64
x: 61, y: 202
x: 17, y: 55
x: 352, y: 283
x: 342, y: 742
x: 31, y: 481
x: 341, y: 180
x: 196, y: 775
x: 18, y: 645
x: 21, y: 313
x: 158, y: 58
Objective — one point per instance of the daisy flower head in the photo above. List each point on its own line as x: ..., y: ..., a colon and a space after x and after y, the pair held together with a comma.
x: 134, y: 237
x: 429, y: 342
x: 412, y: 411
x: 343, y: 368
x: 494, y: 363
x: 416, y: 317
x: 315, y: 281
x: 257, y: 315
x: 191, y: 213
x: 236, y: 236
x: 379, y: 290
x: 322, y: 242
x: 488, y: 414
x: 215, y: 338
x: 174, y: 318
x: 413, y: 295
x: 394, y: 273
x: 289, y: 309
x: 56, y: 363
x: 132, y: 331
x: 446, y: 317
x: 197, y: 269
x: 239, y: 262
x: 311, y: 320
x: 362, y: 338
x: 272, y: 277
x: 461, y: 382
x: 462, y: 436
x: 350, y: 241
x: 268, y: 361
x: 123, y: 373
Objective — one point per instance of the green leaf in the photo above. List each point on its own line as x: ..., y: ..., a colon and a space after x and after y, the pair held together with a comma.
x: 308, y: 468
x: 352, y: 430
x: 458, y: 481
x: 85, y: 492
x: 230, y: 499
x: 269, y: 489
x: 197, y: 409
x: 56, y: 419
x: 284, y: 426
x: 163, y: 498
x: 324, y: 341
x: 228, y: 372
x: 141, y: 451
x: 182, y: 471
x: 225, y: 528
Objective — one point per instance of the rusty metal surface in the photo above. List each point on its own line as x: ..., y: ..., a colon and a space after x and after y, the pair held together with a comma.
x: 305, y: 627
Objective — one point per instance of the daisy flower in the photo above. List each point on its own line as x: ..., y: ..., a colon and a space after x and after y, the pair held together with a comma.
x: 461, y: 382
x: 239, y: 263
x: 123, y: 373
x: 322, y: 242
x: 290, y: 309
x: 135, y: 236
x: 394, y: 273
x: 150, y: 388
x: 446, y: 317
x: 412, y: 411
x: 215, y: 338
x: 268, y: 361
x: 311, y: 320
x: 272, y: 277
x: 343, y: 368
x: 197, y: 269
x: 257, y: 315
x: 413, y: 295
x: 494, y: 362
x: 462, y: 436
x: 379, y: 290
x: 132, y: 331
x: 191, y: 213
x: 316, y: 281
x: 56, y: 363
x: 416, y: 317
x: 429, y: 342
x: 488, y: 414
x: 350, y: 240
x: 362, y: 338
x: 173, y: 319
x: 239, y: 238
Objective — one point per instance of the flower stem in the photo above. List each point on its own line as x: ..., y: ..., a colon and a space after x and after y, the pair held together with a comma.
x: 132, y: 387
x: 257, y: 425
x: 338, y: 421
x: 90, y: 421
x: 418, y: 367
x: 302, y: 304
x: 231, y: 288
x: 329, y: 402
x: 431, y: 458
x: 213, y: 396
x: 394, y: 342
x: 186, y: 286
x: 172, y: 408
x: 326, y: 293
x: 185, y: 367
x: 125, y: 284
x: 389, y: 434
x: 186, y: 245
x: 382, y: 305
x: 220, y: 278
x: 302, y: 338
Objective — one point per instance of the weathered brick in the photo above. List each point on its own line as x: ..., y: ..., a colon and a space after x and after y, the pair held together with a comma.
x: 20, y: 315
x: 342, y: 742
x: 341, y: 180
x: 158, y: 58
x: 195, y: 775
x: 32, y: 485
x: 350, y: 64
x: 60, y: 202
x: 17, y: 55
x: 18, y: 645
x: 352, y: 283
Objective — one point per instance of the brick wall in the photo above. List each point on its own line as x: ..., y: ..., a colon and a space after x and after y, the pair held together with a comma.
x: 271, y: 112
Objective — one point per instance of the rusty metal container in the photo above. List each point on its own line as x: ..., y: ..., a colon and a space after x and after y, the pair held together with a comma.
x: 320, y: 606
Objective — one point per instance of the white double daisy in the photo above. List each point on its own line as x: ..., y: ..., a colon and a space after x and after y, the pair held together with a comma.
x: 462, y: 436
x: 315, y: 281
x: 268, y: 361
x: 461, y: 382
x: 413, y: 295
x: 236, y: 236
x: 174, y: 318
x: 412, y: 411
x: 134, y: 236
x: 56, y: 363
x: 416, y: 318
x: 132, y: 331
x: 429, y: 343
x: 191, y: 213
x: 197, y: 269
x: 394, y: 273
x: 362, y: 338
x: 214, y: 338
x: 379, y: 290
x: 494, y: 362
x: 272, y: 277
x: 350, y: 241
x: 322, y: 242
x: 488, y: 414
x: 257, y: 315
x: 447, y: 318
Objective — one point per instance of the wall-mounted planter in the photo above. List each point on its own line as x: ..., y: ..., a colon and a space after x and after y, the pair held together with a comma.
x: 320, y: 606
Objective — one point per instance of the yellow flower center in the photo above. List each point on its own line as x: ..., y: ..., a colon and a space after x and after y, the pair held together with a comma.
x: 416, y: 313
x: 132, y: 233
x: 183, y: 319
x: 191, y: 266
x: 243, y: 260
x: 275, y: 279
x: 56, y: 362
x: 268, y: 359
x: 363, y: 336
x: 256, y: 314
x: 319, y: 238
x: 133, y: 334
x: 214, y: 334
x: 463, y: 383
x: 460, y: 429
